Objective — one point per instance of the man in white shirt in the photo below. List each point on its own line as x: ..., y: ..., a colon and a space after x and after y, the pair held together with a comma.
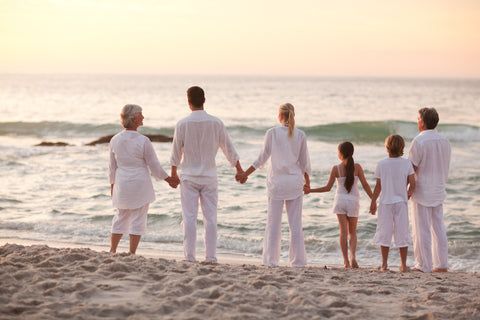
x: 195, y: 145
x: 430, y: 155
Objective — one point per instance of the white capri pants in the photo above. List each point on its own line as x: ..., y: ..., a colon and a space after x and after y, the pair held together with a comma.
x: 393, y: 219
x: 273, y: 233
x: 190, y: 193
x: 430, y: 244
x: 131, y: 221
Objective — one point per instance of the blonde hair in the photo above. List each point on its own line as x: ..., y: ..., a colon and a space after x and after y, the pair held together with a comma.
x: 288, y: 114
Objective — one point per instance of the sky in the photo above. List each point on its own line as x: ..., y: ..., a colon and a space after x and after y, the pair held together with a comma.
x: 408, y: 38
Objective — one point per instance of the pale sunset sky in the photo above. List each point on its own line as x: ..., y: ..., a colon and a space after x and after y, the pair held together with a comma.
x: 409, y: 38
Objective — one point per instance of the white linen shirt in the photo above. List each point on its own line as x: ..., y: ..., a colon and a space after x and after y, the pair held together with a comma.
x: 393, y: 174
x: 289, y: 161
x: 430, y: 152
x: 197, y: 138
x: 131, y: 157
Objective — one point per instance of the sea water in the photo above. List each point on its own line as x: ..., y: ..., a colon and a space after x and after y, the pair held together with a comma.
x: 62, y: 194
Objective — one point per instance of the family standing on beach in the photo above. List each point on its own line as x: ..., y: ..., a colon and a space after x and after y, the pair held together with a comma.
x: 196, y: 141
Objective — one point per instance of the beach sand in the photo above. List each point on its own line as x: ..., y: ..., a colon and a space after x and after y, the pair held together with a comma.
x: 41, y: 282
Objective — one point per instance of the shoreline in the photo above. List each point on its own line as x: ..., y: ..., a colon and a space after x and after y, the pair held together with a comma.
x: 43, y: 282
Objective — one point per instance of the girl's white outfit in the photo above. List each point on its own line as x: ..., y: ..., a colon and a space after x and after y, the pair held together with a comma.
x: 131, y: 157
x: 289, y: 161
x: 346, y: 202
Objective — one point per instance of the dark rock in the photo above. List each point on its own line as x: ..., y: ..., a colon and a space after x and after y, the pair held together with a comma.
x: 52, y: 144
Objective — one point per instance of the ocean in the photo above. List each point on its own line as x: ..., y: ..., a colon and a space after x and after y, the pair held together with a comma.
x: 62, y: 194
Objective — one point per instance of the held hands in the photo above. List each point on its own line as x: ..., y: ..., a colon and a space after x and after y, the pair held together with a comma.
x: 373, y: 207
x: 306, y: 189
x: 241, y: 176
x: 173, y: 181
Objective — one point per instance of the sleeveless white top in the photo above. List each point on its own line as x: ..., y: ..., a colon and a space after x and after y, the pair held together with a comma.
x: 342, y: 192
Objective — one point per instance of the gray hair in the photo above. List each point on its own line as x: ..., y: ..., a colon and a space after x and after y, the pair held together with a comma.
x: 129, y: 111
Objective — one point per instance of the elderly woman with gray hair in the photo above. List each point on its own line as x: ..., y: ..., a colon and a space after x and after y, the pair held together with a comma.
x: 132, y: 158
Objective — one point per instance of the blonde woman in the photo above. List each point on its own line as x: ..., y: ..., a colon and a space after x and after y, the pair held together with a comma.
x: 288, y: 172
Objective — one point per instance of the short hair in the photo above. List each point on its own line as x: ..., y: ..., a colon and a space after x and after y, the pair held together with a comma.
x: 129, y: 111
x: 196, y: 96
x: 429, y: 116
x: 394, y: 144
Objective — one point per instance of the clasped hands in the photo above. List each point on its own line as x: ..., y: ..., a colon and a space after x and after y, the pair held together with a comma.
x: 241, y: 176
x: 173, y: 181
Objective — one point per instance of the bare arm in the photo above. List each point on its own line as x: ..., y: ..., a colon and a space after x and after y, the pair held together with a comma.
x: 325, y: 188
x: 376, y: 193
x: 364, y: 182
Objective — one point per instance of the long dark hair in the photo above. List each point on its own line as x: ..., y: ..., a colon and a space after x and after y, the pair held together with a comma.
x: 346, y: 149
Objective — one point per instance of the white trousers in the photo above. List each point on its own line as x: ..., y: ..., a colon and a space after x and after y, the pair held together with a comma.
x: 273, y: 233
x: 131, y: 221
x: 430, y: 244
x: 190, y: 194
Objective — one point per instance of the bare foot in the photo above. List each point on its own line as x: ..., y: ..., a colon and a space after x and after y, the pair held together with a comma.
x: 416, y: 269
x: 354, y: 264
x: 404, y: 269
x: 439, y: 269
x: 383, y: 268
x: 347, y: 266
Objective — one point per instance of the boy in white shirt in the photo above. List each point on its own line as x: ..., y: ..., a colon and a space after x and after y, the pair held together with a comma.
x: 393, y: 175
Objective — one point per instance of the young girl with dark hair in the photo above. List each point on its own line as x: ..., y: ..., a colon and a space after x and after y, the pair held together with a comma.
x: 346, y: 205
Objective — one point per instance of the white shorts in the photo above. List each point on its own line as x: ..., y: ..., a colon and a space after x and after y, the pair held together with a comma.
x: 131, y: 221
x: 345, y: 206
x: 393, y: 219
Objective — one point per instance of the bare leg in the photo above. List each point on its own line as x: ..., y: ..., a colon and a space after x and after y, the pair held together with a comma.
x: 385, y: 251
x: 342, y: 222
x: 114, y: 240
x: 134, y: 240
x: 403, y: 256
x: 352, y: 232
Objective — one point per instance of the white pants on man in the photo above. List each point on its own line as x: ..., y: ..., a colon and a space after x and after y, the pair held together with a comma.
x: 430, y: 242
x: 190, y: 193
x: 273, y: 233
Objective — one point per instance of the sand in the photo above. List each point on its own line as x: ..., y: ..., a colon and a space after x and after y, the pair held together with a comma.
x: 41, y: 282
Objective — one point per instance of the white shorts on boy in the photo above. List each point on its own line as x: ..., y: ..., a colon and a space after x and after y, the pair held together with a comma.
x: 131, y: 221
x: 393, y: 220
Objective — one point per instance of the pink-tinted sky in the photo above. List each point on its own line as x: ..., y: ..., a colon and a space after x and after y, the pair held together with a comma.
x: 406, y: 38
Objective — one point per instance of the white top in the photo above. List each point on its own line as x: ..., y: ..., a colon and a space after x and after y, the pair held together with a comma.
x: 393, y: 174
x: 131, y: 157
x: 289, y: 161
x: 197, y: 138
x: 430, y: 152
x: 342, y: 192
